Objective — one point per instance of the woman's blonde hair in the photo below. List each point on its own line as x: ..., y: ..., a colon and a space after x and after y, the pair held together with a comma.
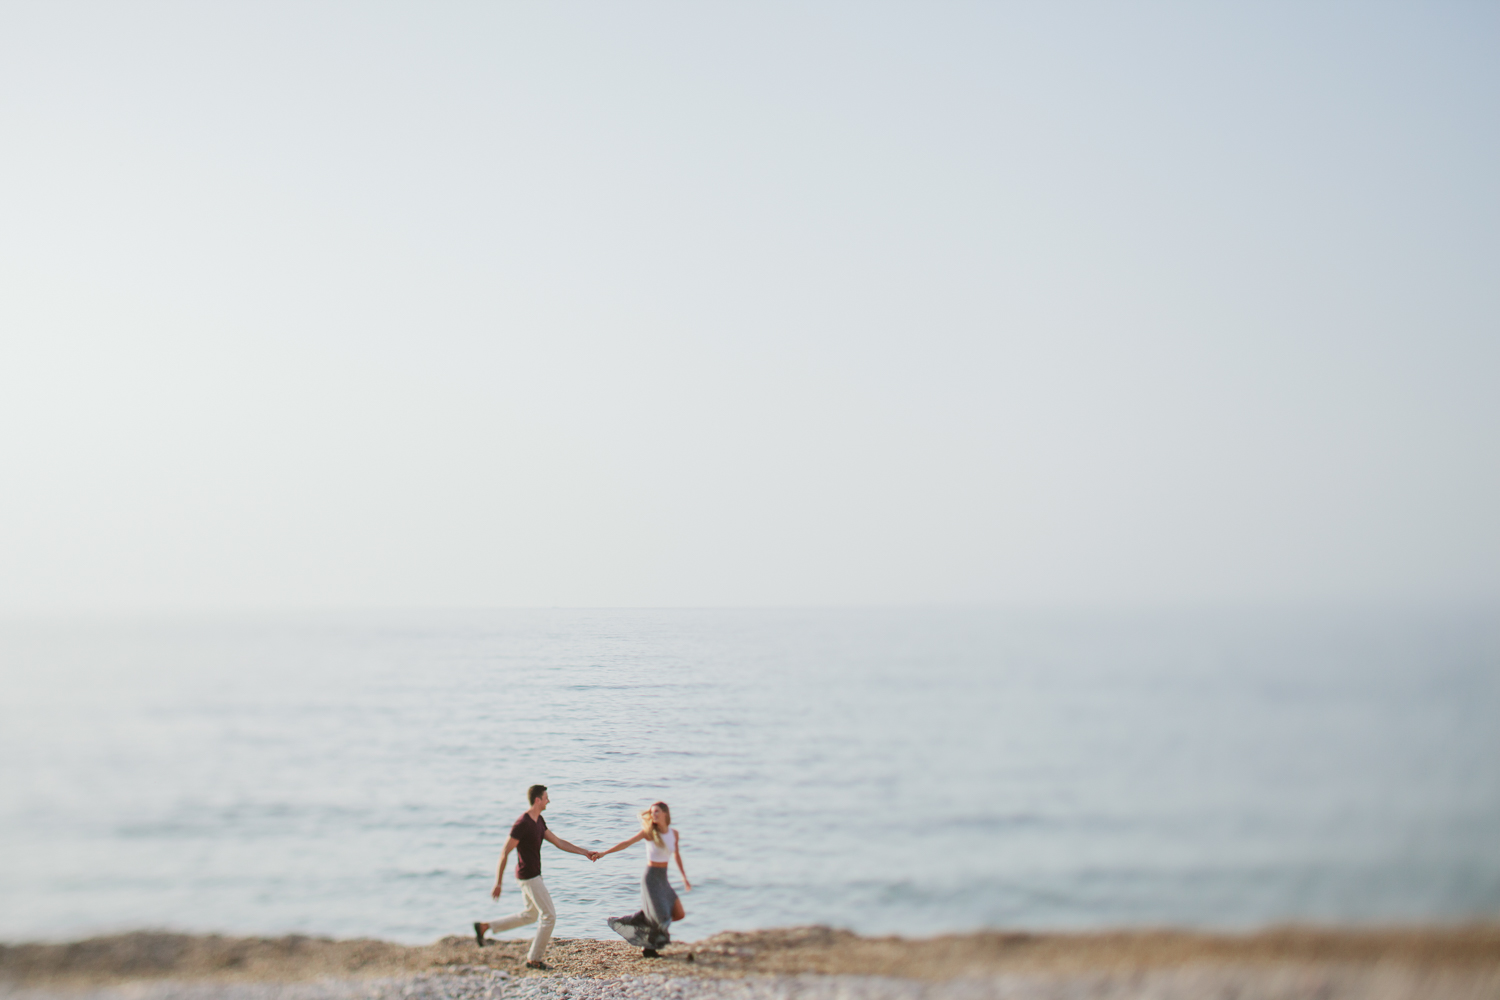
x: 648, y: 822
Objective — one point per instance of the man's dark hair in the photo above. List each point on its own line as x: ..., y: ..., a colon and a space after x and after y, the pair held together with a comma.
x: 533, y: 793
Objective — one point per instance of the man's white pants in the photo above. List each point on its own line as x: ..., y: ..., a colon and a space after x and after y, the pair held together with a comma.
x: 538, y: 904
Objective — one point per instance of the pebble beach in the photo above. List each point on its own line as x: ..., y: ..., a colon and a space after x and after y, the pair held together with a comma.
x: 816, y: 963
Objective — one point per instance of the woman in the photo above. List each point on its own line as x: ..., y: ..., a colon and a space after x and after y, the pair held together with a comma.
x: 647, y: 927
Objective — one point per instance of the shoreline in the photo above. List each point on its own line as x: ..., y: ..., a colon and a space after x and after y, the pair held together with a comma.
x: 1469, y: 951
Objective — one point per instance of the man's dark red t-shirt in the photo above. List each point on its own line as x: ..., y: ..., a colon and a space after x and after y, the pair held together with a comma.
x: 528, y: 833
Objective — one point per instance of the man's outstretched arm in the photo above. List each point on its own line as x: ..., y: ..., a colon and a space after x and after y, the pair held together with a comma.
x: 563, y: 845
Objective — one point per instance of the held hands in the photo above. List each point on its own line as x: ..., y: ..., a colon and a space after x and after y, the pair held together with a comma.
x: 593, y: 855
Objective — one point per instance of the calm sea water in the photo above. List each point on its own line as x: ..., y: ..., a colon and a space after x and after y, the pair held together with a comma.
x: 887, y: 771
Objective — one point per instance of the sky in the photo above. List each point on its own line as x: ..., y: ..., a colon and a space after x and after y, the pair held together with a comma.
x: 366, y: 305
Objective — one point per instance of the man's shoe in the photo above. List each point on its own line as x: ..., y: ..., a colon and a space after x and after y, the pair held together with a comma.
x: 649, y: 953
x: 479, y: 933
x: 537, y: 965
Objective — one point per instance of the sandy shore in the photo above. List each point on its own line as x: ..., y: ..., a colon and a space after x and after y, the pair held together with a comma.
x: 807, y: 962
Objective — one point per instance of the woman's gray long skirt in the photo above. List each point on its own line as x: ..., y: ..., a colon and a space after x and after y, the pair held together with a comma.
x: 647, y: 927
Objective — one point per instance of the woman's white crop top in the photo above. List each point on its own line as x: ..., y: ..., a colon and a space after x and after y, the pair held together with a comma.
x: 663, y: 853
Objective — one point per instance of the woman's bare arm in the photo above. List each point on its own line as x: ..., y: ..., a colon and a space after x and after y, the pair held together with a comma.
x: 677, y: 853
x: 624, y: 844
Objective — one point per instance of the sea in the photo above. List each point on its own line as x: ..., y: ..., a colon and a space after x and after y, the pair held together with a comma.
x: 908, y: 771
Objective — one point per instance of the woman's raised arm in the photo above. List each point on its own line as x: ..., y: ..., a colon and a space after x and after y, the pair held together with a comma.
x: 623, y: 844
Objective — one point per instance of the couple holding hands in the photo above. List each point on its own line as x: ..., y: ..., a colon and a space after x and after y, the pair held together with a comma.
x: 645, y: 929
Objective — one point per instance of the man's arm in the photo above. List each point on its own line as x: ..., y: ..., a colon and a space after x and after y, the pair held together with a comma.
x: 563, y: 845
x: 510, y: 845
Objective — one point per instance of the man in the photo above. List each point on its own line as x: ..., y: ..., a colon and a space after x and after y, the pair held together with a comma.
x: 526, y: 837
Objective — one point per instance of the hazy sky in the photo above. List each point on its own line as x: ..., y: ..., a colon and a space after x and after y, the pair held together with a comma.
x: 320, y: 304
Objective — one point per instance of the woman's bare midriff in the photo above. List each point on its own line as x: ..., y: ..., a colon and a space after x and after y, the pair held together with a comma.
x: 656, y: 864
